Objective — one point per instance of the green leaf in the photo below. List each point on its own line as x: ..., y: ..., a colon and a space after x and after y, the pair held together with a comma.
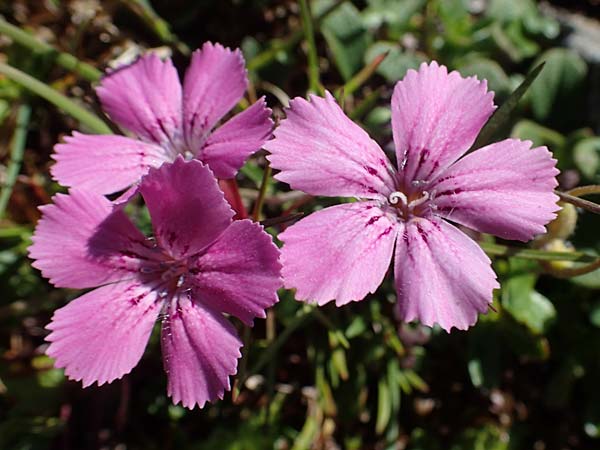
x: 395, y: 65
x: 357, y: 327
x: 486, y: 69
x: 395, y: 13
x: 505, y: 11
x: 595, y: 316
x: 564, y: 72
x: 484, y: 364
x: 86, y: 118
x: 539, y: 135
x: 488, y: 437
x: 345, y: 35
x: 502, y: 114
x: 525, y: 304
x: 586, y: 156
x: 384, y: 407
x: 378, y: 117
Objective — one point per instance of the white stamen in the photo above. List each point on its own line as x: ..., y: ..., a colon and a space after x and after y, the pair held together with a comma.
x: 419, y: 201
x: 180, y: 280
x: 402, y: 164
x: 395, y: 197
x: 419, y: 183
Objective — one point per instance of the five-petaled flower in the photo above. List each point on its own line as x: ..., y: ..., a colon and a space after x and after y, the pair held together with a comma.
x: 442, y: 276
x: 199, y: 265
x: 147, y: 98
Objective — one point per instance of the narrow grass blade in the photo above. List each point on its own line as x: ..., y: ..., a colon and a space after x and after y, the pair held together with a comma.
x: 539, y: 255
x: 17, y: 147
x: 63, y: 59
x: 86, y: 118
x: 502, y: 114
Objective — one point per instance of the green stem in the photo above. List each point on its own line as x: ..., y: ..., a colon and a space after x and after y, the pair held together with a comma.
x: 569, y: 272
x: 17, y: 147
x: 243, y: 365
x: 269, y: 353
x: 366, y: 105
x: 314, y: 85
x: 91, y: 121
x: 331, y: 326
x: 361, y: 77
x: 265, y: 57
x: 65, y: 60
x: 258, y: 205
x: 539, y: 255
x: 584, y: 190
x: 157, y: 24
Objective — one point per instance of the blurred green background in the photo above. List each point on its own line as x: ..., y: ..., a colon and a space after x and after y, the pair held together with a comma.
x: 525, y: 377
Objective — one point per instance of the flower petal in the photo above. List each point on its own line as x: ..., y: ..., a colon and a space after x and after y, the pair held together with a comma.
x: 214, y: 82
x: 200, y: 351
x: 82, y: 241
x: 187, y: 207
x: 145, y: 97
x: 101, y: 335
x: 320, y: 151
x: 240, y: 273
x: 504, y: 189
x: 436, y: 117
x: 442, y: 276
x: 341, y: 253
x: 103, y: 163
x: 228, y: 147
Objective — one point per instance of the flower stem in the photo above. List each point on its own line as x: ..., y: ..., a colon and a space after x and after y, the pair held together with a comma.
x: 584, y: 190
x: 314, y: 85
x: 17, y: 147
x: 301, y: 317
x: 262, y: 193
x: 65, y: 60
x: 361, y: 77
x: 89, y: 120
x: 569, y: 272
x: 572, y: 197
x: 284, y: 45
x: 539, y: 255
x: 157, y: 24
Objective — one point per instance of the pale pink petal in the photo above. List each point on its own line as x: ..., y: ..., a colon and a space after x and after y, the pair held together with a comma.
x: 82, y: 241
x: 442, y: 275
x: 240, y: 273
x: 320, y: 151
x: 101, y: 336
x: 104, y: 163
x: 341, y: 253
x: 436, y: 117
x: 214, y: 82
x: 228, y: 147
x: 200, y: 352
x: 187, y: 207
x: 504, y: 189
x: 145, y: 97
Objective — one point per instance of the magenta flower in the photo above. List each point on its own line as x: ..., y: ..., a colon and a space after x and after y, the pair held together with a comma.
x: 442, y: 276
x: 148, y: 99
x: 200, y: 265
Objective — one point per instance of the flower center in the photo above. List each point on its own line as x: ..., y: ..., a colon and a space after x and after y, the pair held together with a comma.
x: 171, y: 274
x: 415, y: 204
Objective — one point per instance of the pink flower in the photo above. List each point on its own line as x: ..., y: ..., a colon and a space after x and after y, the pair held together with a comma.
x: 148, y: 99
x: 343, y: 252
x: 200, y: 265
